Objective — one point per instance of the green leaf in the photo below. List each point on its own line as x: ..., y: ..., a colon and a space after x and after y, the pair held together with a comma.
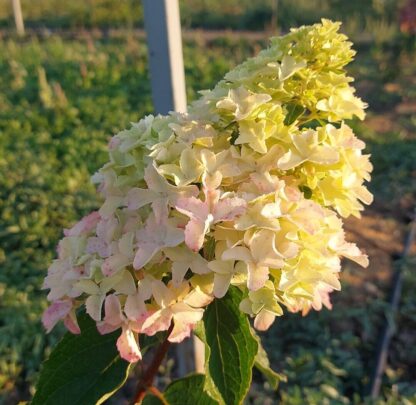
x: 234, y: 135
x: 83, y: 369
x: 189, y: 391
x: 186, y: 391
x: 230, y: 349
x: 307, y: 192
x: 151, y: 399
x: 294, y: 111
x: 262, y: 363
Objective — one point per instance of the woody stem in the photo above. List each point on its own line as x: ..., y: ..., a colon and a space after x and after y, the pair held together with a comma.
x: 149, y: 375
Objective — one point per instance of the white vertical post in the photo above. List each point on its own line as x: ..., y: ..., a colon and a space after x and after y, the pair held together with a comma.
x: 162, y: 23
x: 18, y: 17
x: 167, y: 75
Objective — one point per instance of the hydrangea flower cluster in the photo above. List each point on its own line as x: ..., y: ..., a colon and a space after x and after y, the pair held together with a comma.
x: 247, y: 189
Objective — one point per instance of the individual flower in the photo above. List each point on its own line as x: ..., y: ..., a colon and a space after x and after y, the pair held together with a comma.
x: 154, y: 237
x: 259, y: 256
x: 203, y: 214
x: 175, y: 305
x: 159, y: 193
x: 263, y: 303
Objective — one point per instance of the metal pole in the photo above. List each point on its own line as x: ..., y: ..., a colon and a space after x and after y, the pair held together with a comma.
x: 18, y: 17
x: 167, y: 74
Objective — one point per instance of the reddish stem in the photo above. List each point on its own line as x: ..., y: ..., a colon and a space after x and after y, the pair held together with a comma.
x: 157, y: 394
x: 146, y: 382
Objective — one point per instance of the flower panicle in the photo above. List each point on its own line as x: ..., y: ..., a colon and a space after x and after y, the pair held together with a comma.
x: 248, y: 189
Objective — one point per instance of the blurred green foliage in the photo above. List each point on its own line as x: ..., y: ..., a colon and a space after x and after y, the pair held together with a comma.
x: 374, y: 19
x: 61, y: 100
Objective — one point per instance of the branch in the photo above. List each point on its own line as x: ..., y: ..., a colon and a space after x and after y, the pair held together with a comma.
x: 146, y: 382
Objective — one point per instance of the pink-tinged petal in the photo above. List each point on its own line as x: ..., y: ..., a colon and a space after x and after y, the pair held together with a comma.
x: 160, y: 209
x: 99, y: 246
x: 322, y: 297
x: 137, y: 324
x: 292, y: 193
x: 73, y: 274
x: 144, y: 254
x: 114, y: 142
x: 211, y: 198
x: 228, y: 208
x: 105, y: 328
x: 112, y: 310
x: 106, y: 268
x: 86, y: 225
x: 180, y: 331
x: 106, y: 228
x: 192, y: 207
x: 264, y: 320
x: 71, y: 323
x: 56, y: 311
x: 364, y: 195
x: 352, y: 252
x: 265, y: 182
x: 135, y: 308
x: 189, y: 191
x: 174, y: 235
x: 128, y: 347
x: 195, y: 233
x: 157, y: 322
x: 257, y: 276
x: 114, y: 264
x: 326, y: 299
x: 347, y: 249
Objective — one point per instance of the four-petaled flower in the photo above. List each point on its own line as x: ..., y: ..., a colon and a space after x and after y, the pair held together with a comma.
x: 177, y: 305
x: 159, y: 193
x: 154, y: 237
x: 203, y: 214
x: 260, y: 255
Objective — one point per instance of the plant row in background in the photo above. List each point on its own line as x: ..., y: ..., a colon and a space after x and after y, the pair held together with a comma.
x: 375, y: 20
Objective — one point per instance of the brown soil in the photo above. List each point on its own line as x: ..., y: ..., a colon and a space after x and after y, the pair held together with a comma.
x: 382, y: 238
